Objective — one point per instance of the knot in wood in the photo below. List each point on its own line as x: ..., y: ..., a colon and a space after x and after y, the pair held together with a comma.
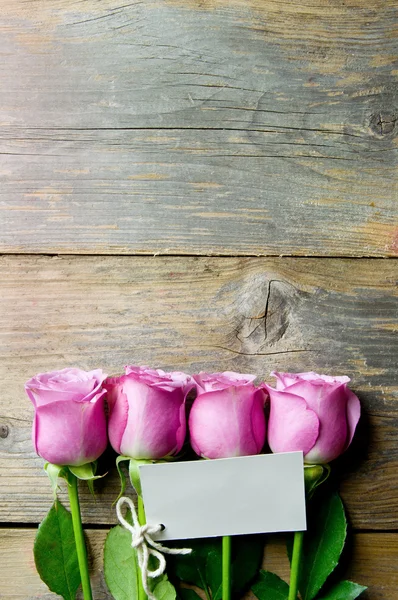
x: 383, y: 123
x: 4, y: 431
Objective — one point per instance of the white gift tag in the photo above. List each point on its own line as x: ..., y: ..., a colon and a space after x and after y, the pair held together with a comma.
x: 228, y: 496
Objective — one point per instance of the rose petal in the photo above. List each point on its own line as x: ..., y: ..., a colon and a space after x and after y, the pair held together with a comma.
x: 331, y: 411
x: 313, y: 392
x: 353, y: 414
x: 258, y: 420
x: 221, y: 425
x: 69, y: 384
x: 158, y: 378
x: 285, y: 380
x: 154, y: 417
x: 292, y: 425
x: 71, y: 433
x: 43, y: 396
x: 118, y: 411
x: 182, y: 429
x: 211, y: 382
x: 34, y: 433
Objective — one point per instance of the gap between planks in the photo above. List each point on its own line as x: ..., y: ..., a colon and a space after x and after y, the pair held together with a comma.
x: 163, y: 254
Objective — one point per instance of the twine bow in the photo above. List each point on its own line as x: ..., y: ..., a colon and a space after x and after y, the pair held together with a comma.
x: 141, y: 540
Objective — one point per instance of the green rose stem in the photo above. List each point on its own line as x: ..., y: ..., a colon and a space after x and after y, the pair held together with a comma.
x: 296, y: 562
x: 79, y: 536
x: 226, y: 567
x: 314, y: 475
x: 142, y: 520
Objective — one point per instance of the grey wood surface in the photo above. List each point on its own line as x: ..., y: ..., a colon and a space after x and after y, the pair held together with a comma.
x: 243, y: 127
x: 243, y: 314
x: 239, y: 128
x: 374, y: 559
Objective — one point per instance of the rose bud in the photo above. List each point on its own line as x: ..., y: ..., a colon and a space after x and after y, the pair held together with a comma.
x: 316, y: 414
x: 227, y: 417
x: 147, y: 412
x: 69, y: 426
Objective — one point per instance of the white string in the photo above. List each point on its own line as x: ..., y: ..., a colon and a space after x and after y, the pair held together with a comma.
x: 141, y: 540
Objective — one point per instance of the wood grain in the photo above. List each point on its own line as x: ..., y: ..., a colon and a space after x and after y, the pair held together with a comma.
x: 253, y: 127
x: 374, y: 563
x: 200, y: 127
x: 370, y: 559
x: 249, y: 315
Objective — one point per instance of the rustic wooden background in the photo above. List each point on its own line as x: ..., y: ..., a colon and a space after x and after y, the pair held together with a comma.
x: 200, y: 184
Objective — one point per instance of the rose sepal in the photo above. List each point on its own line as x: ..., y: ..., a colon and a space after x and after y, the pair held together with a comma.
x: 54, y: 472
x: 84, y: 472
x: 134, y: 472
x: 87, y: 473
x: 122, y: 476
x: 314, y: 476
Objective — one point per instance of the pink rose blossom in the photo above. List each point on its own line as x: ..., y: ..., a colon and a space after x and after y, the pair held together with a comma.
x: 227, y: 418
x: 147, y: 412
x: 69, y: 426
x: 316, y: 414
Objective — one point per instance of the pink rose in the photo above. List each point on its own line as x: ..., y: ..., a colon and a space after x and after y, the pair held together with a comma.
x: 316, y: 414
x: 69, y: 426
x: 227, y: 418
x: 147, y: 412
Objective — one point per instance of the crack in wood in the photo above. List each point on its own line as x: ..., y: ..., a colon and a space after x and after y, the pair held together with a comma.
x: 260, y: 353
x: 383, y: 123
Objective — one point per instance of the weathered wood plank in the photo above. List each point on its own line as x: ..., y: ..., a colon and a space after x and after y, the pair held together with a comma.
x: 249, y: 315
x: 365, y: 551
x: 373, y: 562
x: 18, y: 575
x: 239, y: 127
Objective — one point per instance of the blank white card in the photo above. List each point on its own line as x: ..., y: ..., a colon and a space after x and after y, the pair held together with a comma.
x: 227, y: 496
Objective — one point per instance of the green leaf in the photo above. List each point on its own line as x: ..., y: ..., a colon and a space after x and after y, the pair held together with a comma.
x: 86, y: 472
x: 247, y: 556
x: 203, y: 567
x: 344, y: 590
x: 164, y: 590
x: 197, y: 568
x: 213, y: 571
x: 269, y: 586
x: 122, y: 572
x: 323, y: 544
x: 53, y: 472
x: 187, y: 594
x: 120, y: 564
x: 55, y: 552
